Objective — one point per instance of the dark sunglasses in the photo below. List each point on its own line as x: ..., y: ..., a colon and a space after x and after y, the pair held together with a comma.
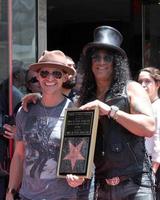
x: 55, y: 74
x: 33, y: 80
x: 106, y: 58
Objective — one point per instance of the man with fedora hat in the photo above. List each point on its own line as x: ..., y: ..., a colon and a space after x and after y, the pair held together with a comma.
x: 38, y: 136
x: 122, y: 168
x: 67, y: 87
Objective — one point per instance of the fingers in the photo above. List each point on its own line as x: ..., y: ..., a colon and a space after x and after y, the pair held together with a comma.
x: 10, y: 131
x: 24, y: 106
x: 30, y: 98
x: 74, y: 180
x: 8, y: 137
x: 90, y: 106
x: 10, y: 128
x: 104, y: 109
x: 26, y: 100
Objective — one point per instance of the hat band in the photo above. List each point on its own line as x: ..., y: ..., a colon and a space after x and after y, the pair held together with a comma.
x: 52, y: 62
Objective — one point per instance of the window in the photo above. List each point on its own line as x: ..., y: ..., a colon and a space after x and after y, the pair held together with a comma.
x: 151, y: 33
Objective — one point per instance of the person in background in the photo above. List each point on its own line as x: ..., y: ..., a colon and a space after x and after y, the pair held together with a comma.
x: 122, y: 169
x: 32, y: 83
x: 6, y: 120
x: 18, y: 81
x: 68, y: 86
x: 38, y: 136
x: 32, y: 86
x: 149, y: 78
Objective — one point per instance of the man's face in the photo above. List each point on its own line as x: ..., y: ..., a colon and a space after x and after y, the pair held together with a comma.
x: 51, y: 80
x: 102, y: 65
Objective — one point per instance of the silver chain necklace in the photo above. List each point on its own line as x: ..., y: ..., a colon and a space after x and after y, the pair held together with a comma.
x: 46, y: 113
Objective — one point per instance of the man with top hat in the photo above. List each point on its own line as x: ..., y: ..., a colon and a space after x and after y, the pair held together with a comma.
x: 122, y: 168
x: 38, y: 136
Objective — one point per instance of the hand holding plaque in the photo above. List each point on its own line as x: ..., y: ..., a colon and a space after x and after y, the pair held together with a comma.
x: 78, y: 142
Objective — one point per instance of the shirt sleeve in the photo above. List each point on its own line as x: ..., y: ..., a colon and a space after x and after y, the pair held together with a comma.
x: 19, y: 122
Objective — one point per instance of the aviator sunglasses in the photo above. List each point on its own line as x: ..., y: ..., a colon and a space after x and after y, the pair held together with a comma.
x: 55, y: 74
x: 107, y: 58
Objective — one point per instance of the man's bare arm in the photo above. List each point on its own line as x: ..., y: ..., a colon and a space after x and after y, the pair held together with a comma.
x: 16, y: 168
x: 140, y: 121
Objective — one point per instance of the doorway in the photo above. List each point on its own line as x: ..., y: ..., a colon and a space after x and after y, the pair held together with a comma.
x: 70, y: 25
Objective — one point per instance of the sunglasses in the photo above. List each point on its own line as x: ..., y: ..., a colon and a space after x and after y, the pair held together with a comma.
x: 106, y: 58
x: 55, y: 74
x: 33, y: 80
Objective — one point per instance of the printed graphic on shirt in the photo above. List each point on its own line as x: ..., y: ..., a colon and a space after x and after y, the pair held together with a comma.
x: 42, y: 137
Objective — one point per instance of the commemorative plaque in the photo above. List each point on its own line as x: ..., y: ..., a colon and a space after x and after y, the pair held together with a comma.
x: 78, y: 142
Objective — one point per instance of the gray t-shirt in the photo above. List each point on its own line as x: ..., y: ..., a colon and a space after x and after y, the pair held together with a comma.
x: 40, y: 129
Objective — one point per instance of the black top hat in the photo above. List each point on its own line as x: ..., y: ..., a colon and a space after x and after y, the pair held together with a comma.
x: 106, y: 37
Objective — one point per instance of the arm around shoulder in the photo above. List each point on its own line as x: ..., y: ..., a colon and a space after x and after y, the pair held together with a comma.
x: 30, y: 98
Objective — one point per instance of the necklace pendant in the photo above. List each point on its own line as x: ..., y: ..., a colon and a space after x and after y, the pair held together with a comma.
x: 47, y: 121
x: 46, y: 115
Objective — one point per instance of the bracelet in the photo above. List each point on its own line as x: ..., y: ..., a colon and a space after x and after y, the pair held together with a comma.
x: 113, y: 112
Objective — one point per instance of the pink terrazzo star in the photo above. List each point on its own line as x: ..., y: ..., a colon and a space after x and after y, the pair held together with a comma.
x: 74, y: 154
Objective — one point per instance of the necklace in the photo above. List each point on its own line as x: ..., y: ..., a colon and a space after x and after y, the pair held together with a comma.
x: 46, y: 113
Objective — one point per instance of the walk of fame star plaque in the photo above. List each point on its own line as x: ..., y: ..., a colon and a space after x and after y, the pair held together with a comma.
x: 78, y: 142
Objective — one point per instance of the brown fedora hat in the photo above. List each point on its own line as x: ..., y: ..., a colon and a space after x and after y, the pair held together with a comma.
x: 56, y: 59
x: 106, y: 37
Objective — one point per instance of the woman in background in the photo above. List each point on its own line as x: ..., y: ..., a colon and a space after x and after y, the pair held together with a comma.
x: 149, y: 78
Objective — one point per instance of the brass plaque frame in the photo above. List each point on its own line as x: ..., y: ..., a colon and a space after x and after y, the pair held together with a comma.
x: 78, y: 142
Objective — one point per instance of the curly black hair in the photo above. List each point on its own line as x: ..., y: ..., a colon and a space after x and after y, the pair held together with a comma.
x: 121, y: 74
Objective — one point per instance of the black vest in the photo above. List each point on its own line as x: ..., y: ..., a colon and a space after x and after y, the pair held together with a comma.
x: 119, y: 152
